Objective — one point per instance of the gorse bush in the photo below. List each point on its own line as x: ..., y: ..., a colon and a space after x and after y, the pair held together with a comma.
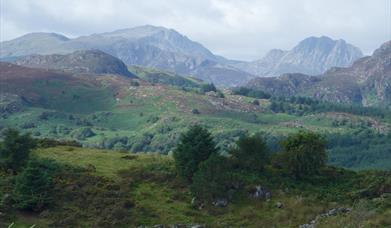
x: 194, y: 147
x: 15, y: 150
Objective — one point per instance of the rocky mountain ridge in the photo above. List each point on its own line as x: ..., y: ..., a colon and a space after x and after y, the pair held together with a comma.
x: 167, y: 49
x: 367, y: 82
x: 313, y: 56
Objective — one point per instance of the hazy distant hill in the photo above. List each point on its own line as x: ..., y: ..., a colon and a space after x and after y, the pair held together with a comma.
x: 311, y: 56
x: 166, y: 49
x: 366, y: 82
x: 85, y: 61
x: 150, y: 46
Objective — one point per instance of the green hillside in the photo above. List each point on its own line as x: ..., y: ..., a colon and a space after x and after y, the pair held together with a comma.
x: 107, y: 188
x: 114, y: 112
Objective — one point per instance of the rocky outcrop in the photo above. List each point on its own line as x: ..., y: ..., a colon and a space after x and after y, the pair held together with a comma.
x: 367, y: 82
x: 312, y: 56
x: 331, y: 212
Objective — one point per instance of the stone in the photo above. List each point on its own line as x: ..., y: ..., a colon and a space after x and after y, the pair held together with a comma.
x: 279, y: 205
x: 261, y: 193
x: 220, y: 203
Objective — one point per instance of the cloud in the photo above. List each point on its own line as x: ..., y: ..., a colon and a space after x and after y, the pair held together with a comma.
x: 243, y: 29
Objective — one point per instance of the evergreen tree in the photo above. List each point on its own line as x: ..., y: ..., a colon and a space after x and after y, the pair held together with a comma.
x: 195, y: 146
x: 33, y: 187
x: 15, y: 149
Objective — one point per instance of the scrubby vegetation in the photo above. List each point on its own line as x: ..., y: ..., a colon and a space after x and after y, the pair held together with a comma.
x: 78, y: 187
x: 244, y: 91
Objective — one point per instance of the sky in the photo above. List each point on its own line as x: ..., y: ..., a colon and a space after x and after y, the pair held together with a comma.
x: 236, y: 29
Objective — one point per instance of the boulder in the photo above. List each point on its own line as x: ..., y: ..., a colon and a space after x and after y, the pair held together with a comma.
x: 260, y: 192
x: 220, y: 202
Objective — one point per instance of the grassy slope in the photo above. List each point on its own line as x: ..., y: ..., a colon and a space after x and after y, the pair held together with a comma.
x: 146, y: 117
x: 160, y: 198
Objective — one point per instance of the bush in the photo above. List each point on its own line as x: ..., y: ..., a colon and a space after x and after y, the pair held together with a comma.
x: 194, y: 147
x: 213, y: 179
x: 255, y: 102
x: 15, y: 149
x: 250, y: 153
x: 195, y: 111
x: 33, y: 187
x: 304, y: 154
x: 134, y: 83
x: 244, y: 91
x: 208, y: 88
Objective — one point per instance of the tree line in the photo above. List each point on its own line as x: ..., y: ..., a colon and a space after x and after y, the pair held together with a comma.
x: 212, y: 175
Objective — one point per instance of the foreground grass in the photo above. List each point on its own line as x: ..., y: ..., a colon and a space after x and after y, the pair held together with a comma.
x: 157, y: 196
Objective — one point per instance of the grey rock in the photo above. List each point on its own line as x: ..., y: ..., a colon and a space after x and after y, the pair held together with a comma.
x: 279, y: 205
x: 261, y: 193
x: 331, y: 212
x: 220, y: 202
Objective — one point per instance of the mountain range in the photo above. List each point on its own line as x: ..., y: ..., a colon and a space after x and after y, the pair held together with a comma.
x: 367, y: 82
x: 166, y: 49
x: 311, y: 56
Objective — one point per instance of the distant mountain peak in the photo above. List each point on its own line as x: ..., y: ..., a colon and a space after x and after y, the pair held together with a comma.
x: 44, y: 35
x: 313, y: 55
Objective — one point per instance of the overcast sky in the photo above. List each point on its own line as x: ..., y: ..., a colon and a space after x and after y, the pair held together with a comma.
x: 241, y: 29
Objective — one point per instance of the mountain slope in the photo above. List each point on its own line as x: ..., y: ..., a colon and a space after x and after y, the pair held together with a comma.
x: 150, y: 46
x: 85, y: 61
x: 367, y: 82
x: 312, y: 56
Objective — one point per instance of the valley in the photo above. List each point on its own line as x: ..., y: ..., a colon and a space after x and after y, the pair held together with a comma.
x: 111, y: 125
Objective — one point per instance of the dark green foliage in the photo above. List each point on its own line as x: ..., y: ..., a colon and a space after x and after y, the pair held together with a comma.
x: 134, y: 83
x: 362, y: 149
x: 194, y: 147
x: 305, y: 105
x: 244, y: 91
x: 250, y: 153
x: 208, y: 88
x: 213, y: 179
x: 195, y: 111
x: 15, y: 149
x: 303, y: 154
x: 33, y: 187
x: 255, y: 102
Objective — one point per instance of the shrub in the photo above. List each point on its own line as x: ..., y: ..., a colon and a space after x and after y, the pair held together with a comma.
x: 213, y: 179
x: 134, y: 83
x: 303, y: 154
x: 33, y: 187
x: 255, y: 102
x: 195, y: 111
x: 208, y: 88
x: 194, y: 147
x: 15, y: 149
x: 250, y: 153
